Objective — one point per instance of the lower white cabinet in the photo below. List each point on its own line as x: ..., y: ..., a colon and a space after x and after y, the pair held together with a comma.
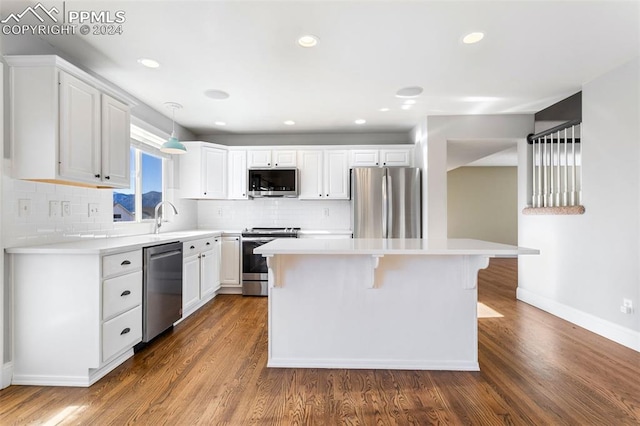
x: 230, y: 266
x: 200, y: 273
x: 76, y: 316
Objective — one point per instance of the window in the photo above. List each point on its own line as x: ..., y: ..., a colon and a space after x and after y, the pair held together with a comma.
x: 137, y: 203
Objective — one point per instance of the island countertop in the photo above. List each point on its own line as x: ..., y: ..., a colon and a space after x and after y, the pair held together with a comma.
x: 391, y: 246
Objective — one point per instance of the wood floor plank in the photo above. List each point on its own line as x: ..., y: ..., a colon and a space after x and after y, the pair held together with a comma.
x: 536, y: 369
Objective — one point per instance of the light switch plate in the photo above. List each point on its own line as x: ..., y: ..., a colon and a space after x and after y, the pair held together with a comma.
x: 54, y: 208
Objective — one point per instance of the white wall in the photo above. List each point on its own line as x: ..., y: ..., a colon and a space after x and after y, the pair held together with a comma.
x: 235, y: 215
x: 589, y: 263
x: 483, y: 204
x: 432, y: 139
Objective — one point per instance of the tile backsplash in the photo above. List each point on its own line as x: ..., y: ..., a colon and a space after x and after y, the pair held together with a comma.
x: 36, y: 225
x: 269, y: 212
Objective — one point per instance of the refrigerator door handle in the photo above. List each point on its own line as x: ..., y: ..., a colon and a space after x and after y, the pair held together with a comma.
x: 389, y: 215
x: 385, y: 206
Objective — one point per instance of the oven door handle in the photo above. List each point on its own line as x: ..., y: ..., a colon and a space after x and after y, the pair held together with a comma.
x: 257, y: 239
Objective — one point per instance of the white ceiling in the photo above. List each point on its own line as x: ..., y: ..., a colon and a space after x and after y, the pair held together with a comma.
x: 534, y: 53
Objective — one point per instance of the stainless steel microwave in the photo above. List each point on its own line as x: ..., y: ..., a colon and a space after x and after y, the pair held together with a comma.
x: 273, y: 183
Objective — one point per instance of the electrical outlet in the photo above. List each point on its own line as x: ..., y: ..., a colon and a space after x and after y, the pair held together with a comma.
x: 24, y: 207
x: 54, y: 208
x: 325, y: 212
x: 219, y: 212
x: 627, y: 306
x: 93, y: 209
x: 66, y: 208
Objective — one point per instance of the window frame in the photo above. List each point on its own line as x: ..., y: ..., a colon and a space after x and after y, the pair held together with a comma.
x: 144, y: 141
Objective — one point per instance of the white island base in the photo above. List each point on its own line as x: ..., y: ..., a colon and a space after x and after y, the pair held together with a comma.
x: 394, y: 304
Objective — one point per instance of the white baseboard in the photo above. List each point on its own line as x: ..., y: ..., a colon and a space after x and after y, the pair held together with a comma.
x: 369, y: 364
x: 604, y: 328
x: 92, y: 376
x: 5, y: 375
x: 230, y: 290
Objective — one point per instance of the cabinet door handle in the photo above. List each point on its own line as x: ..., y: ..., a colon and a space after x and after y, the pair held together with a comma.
x: 125, y: 262
x: 208, y: 243
x: 276, y: 164
x: 125, y: 293
x: 125, y: 331
x: 203, y: 255
x: 107, y: 177
x: 320, y: 195
x: 376, y: 164
x: 327, y: 195
x: 192, y: 247
x: 97, y: 175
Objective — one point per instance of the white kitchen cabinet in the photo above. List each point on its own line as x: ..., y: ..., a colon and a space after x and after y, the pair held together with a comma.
x: 336, y: 174
x: 190, y: 279
x: 77, y: 316
x: 324, y: 174
x: 237, y: 162
x: 203, y: 171
x: 230, y: 265
x: 391, y: 157
x: 82, y: 131
x: 200, y: 273
x: 396, y: 157
x: 311, y: 174
x: 116, y: 135
x: 365, y: 157
x: 267, y: 158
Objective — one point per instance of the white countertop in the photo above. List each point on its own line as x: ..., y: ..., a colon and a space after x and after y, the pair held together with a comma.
x: 112, y: 244
x: 400, y: 246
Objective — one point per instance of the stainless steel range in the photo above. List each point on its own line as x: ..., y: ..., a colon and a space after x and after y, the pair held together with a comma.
x: 254, y: 266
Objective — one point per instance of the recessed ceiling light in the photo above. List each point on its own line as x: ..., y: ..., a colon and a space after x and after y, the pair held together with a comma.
x: 220, y: 123
x: 308, y: 40
x: 383, y: 109
x: 409, y: 92
x: 473, y: 38
x: 405, y: 107
x: 360, y: 121
x: 216, y: 94
x: 289, y: 122
x: 410, y: 102
x: 149, y: 63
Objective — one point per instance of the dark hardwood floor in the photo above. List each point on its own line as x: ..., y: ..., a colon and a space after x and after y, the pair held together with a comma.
x: 211, y: 369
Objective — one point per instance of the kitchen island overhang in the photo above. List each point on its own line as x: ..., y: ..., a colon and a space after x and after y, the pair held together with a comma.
x: 376, y: 303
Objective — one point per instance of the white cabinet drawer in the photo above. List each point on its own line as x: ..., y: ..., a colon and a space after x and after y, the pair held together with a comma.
x: 121, y: 263
x: 121, y: 333
x: 196, y: 246
x: 121, y: 293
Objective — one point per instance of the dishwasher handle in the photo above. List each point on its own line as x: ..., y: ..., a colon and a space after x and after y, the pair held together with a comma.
x: 162, y: 255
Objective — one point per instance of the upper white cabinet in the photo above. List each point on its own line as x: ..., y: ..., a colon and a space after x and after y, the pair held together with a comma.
x: 116, y: 128
x: 203, y: 171
x: 324, y: 174
x: 336, y: 174
x: 74, y: 122
x: 266, y: 158
x: 237, y: 162
x: 398, y: 157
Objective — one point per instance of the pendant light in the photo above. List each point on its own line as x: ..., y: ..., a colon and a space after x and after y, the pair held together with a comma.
x: 173, y: 145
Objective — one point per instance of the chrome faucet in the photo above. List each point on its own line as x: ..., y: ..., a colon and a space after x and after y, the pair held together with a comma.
x: 157, y: 221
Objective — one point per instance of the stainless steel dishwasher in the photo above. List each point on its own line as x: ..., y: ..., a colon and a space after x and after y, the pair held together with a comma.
x: 162, y: 288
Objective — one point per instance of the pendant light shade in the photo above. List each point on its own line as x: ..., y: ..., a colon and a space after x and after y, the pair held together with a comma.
x: 173, y: 145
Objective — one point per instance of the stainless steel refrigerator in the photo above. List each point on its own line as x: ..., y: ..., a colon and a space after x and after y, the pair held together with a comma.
x: 386, y: 202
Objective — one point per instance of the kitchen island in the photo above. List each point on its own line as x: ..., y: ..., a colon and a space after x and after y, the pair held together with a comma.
x: 376, y: 303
